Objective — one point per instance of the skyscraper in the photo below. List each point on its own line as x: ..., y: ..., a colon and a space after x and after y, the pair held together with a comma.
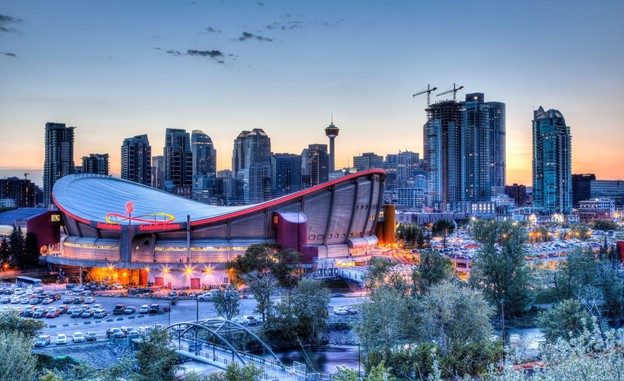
x: 552, y: 164
x: 368, y: 160
x: 332, y: 132
x: 251, y: 163
x: 59, y: 156
x: 442, y: 153
x: 204, y: 154
x: 318, y: 164
x: 204, y: 166
x: 95, y: 163
x: 178, y: 162
x: 136, y: 157
x: 285, y: 173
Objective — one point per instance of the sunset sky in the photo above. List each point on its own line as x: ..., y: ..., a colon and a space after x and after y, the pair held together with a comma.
x: 115, y: 69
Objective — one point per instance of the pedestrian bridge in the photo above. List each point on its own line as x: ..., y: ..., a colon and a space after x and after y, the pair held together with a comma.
x: 220, y: 342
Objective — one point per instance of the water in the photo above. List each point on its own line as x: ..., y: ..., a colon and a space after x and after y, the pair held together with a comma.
x: 324, y: 359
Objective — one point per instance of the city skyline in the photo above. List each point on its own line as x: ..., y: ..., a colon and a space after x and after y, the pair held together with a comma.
x: 284, y: 67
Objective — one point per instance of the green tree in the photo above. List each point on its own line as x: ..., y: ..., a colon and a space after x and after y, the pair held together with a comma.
x: 457, y: 316
x: 389, y: 319
x: 432, y: 268
x: 16, y: 360
x: 604, y: 225
x: 227, y: 303
x: 235, y: 372
x: 566, y: 320
x: 411, y: 235
x: 155, y: 359
x: 267, y: 258
x: 16, y: 247
x: 345, y: 374
x: 5, y: 252
x: 443, y: 228
x: 379, y: 372
x: 499, y: 267
x: 10, y: 322
x: 304, y: 312
x: 262, y: 285
x: 31, y: 251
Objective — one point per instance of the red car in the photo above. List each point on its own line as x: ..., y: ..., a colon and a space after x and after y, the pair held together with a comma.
x: 52, y: 313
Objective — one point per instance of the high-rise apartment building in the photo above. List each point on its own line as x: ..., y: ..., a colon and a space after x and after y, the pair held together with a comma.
x: 581, y: 187
x: 23, y: 191
x: 442, y: 153
x: 158, y: 172
x: 251, y: 163
x: 464, y: 151
x: 178, y: 162
x: 368, y: 160
x: 318, y: 164
x: 285, y: 173
x: 552, y: 164
x: 95, y: 163
x: 136, y: 160
x: 59, y: 156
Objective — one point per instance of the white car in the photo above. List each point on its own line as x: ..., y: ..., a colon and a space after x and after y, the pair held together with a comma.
x: 61, y: 339
x: 144, y: 309
x: 78, y: 337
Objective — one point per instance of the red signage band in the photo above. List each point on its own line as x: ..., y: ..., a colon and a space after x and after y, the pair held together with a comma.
x: 101, y: 225
x: 153, y: 227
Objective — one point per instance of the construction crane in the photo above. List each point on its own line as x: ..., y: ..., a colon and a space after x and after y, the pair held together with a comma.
x: 428, y: 91
x: 454, y: 90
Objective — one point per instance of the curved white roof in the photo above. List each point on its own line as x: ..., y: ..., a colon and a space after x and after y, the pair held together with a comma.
x: 92, y: 197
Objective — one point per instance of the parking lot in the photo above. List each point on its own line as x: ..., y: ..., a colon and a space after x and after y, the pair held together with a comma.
x: 183, y: 311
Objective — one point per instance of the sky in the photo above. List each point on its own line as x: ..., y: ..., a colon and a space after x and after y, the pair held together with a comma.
x: 115, y: 69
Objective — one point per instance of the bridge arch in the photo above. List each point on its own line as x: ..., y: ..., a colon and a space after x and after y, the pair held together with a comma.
x: 219, y: 329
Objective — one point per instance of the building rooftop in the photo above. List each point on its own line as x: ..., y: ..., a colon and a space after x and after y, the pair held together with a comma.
x: 9, y: 217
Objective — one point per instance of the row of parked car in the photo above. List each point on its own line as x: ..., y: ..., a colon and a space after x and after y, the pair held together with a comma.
x: 61, y: 338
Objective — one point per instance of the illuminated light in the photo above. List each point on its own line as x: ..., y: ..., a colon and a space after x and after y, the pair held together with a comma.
x: 166, y: 270
x: 110, y: 267
x: 188, y: 270
x: 109, y: 226
x: 124, y: 274
x: 147, y: 269
x: 208, y: 270
x: 159, y: 226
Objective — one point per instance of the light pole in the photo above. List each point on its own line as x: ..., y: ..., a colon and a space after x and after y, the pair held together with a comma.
x: 359, y: 362
x: 169, y: 312
x: 197, y: 309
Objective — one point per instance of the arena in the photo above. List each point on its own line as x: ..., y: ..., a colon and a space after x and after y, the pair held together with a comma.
x: 140, y: 235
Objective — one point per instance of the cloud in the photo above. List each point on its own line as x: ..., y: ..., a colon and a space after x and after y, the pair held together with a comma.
x: 205, y: 53
x: 290, y: 25
x: 216, y: 55
x: 213, y: 30
x: 173, y: 52
x: 261, y: 4
x: 6, y: 22
x: 247, y: 36
x: 8, y: 54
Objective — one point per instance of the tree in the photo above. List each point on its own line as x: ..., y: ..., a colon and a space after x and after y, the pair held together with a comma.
x: 389, y: 319
x: 226, y: 303
x: 411, y: 235
x: 433, y: 268
x: 443, y: 228
x: 380, y: 373
x: 457, y: 316
x: 16, y: 247
x: 31, y: 251
x: 303, y: 314
x: 499, y: 267
x: 382, y: 272
x: 155, y: 359
x: 262, y: 285
x: 5, y: 252
x: 566, y: 320
x: 267, y: 258
x: 16, y: 361
x: 10, y: 322
x: 604, y: 225
x: 345, y: 374
x: 235, y: 372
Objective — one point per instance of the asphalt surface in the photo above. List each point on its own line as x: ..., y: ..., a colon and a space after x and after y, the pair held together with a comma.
x: 183, y: 311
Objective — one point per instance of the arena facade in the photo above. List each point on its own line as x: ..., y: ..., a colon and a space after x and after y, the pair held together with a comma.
x: 136, y: 234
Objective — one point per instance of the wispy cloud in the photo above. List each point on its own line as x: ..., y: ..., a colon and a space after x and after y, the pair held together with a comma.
x: 8, y: 54
x: 290, y: 24
x: 216, y: 55
x: 6, y: 23
x: 213, y: 30
x: 250, y: 36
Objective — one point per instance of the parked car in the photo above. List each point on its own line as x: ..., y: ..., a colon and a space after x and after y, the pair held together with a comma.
x: 68, y: 300
x: 42, y: 341
x: 154, y: 308
x: 78, y: 337
x: 86, y: 314
x: 340, y: 311
x: 131, y: 332
x: 116, y: 333
x: 144, y: 309
x: 89, y: 300
x: 118, y: 310
x: 61, y: 338
x: 91, y: 336
x: 47, y: 301
x: 204, y: 297
x: 79, y: 300
x: 99, y: 313
x: 52, y: 313
x: 39, y: 313
x: 130, y: 310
